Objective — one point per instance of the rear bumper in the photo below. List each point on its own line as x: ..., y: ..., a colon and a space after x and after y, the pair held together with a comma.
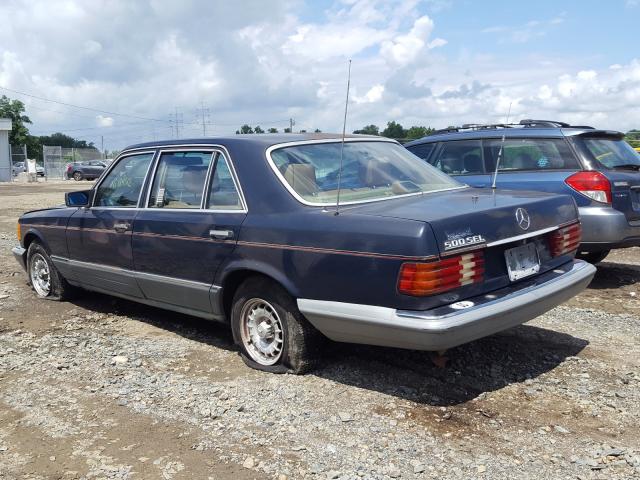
x: 604, y: 228
x: 20, y: 254
x: 448, y: 326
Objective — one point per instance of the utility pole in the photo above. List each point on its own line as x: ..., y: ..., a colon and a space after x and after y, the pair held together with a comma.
x: 292, y: 122
x: 177, y: 125
x: 205, y: 116
x: 102, y: 147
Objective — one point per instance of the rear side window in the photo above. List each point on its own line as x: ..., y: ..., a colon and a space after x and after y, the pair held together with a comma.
x: 612, y: 153
x: 121, y: 187
x: 223, y: 194
x: 423, y: 150
x: 530, y: 154
x: 179, y: 180
x: 460, y: 157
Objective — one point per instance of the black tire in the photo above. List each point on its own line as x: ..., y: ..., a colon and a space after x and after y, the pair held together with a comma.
x: 593, y: 257
x: 300, y: 340
x: 59, y: 289
x: 77, y: 176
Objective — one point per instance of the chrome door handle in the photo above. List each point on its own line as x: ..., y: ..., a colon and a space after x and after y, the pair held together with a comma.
x: 121, y: 227
x: 221, y: 234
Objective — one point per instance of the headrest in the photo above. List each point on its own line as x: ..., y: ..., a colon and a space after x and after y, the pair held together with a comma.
x: 302, y: 177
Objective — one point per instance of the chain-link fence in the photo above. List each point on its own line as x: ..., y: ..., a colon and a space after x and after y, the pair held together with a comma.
x: 18, y: 159
x: 57, y: 158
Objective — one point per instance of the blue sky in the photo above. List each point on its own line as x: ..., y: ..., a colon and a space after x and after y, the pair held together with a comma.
x: 429, y: 62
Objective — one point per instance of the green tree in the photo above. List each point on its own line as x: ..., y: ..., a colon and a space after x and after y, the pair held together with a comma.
x: 419, y: 132
x: 258, y: 129
x: 273, y: 130
x: 394, y: 130
x: 303, y: 131
x: 287, y: 130
x: 14, y: 109
x: 317, y: 130
x: 368, y: 130
x: 244, y: 129
x: 64, y: 141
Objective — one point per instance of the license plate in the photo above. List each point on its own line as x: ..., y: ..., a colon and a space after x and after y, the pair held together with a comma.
x: 522, y: 261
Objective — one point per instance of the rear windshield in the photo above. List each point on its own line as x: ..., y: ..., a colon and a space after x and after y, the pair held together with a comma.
x: 370, y: 171
x: 612, y: 153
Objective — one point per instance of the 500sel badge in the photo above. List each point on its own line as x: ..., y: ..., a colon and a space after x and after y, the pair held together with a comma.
x: 463, y: 242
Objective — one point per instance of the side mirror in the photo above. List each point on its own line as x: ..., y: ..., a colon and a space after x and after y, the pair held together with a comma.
x: 78, y: 199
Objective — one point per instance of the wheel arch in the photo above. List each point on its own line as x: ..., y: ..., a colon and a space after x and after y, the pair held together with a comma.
x: 234, y: 277
x: 33, y: 235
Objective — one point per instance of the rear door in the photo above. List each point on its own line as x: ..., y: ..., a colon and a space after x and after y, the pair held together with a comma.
x: 538, y: 164
x: 621, y: 165
x: 190, y: 224
x: 463, y: 159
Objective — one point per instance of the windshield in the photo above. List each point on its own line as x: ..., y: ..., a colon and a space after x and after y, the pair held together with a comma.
x: 612, y: 153
x: 370, y: 171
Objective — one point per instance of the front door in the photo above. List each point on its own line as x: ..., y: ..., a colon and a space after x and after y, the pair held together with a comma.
x: 190, y: 224
x: 99, y: 237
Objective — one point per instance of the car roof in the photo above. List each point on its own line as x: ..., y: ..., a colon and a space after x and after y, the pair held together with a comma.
x: 517, y: 132
x: 265, y: 140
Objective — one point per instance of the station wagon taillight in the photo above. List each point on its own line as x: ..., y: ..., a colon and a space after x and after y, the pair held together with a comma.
x: 422, y: 279
x: 565, y: 240
x: 591, y: 184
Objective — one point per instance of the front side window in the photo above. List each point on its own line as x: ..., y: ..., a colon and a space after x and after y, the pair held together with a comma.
x: 370, y: 171
x: 530, y: 154
x: 461, y: 157
x: 121, y: 187
x: 612, y: 153
x: 179, y: 180
x: 223, y: 194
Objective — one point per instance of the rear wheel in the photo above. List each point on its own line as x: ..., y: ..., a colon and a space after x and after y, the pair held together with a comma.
x: 44, y: 277
x: 271, y: 332
x: 77, y: 176
x: 593, y: 257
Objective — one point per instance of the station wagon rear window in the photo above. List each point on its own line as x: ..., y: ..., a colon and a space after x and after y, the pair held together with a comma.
x: 370, y: 171
x: 612, y: 153
x: 530, y: 154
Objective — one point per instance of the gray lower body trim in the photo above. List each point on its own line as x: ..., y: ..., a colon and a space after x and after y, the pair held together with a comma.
x: 604, y: 228
x: 184, y: 296
x: 20, y: 254
x: 446, y: 327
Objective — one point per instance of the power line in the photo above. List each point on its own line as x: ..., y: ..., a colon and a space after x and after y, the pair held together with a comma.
x: 79, y: 106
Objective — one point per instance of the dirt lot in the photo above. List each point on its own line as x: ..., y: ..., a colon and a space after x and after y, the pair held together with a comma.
x: 104, y: 388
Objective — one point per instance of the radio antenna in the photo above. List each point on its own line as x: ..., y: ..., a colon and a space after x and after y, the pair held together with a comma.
x: 344, y: 128
x: 495, y: 173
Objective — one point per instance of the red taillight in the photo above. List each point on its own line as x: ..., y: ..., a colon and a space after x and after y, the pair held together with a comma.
x: 68, y: 168
x: 565, y: 240
x: 592, y: 184
x: 421, y: 279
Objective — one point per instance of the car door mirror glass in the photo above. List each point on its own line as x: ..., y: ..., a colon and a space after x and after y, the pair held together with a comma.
x: 78, y: 199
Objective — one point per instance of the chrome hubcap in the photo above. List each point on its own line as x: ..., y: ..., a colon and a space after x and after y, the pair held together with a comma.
x: 261, y: 331
x: 40, y: 275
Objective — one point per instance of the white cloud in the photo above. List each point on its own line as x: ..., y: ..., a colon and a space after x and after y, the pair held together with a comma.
x: 103, y: 121
x: 403, y: 49
x: 373, y: 95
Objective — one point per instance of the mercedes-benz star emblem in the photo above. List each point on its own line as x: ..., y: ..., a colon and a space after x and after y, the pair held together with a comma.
x: 522, y: 217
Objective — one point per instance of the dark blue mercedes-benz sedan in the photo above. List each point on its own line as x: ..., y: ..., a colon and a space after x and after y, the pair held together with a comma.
x: 246, y: 230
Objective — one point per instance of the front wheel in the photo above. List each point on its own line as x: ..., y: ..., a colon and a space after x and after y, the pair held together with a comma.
x: 44, y: 277
x: 77, y: 176
x: 593, y: 257
x: 271, y: 332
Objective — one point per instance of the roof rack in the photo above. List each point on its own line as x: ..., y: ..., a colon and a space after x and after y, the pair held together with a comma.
x: 529, y: 123
x: 526, y: 123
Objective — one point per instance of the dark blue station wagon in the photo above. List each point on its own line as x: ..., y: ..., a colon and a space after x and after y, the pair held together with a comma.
x: 245, y: 230
x: 597, y: 167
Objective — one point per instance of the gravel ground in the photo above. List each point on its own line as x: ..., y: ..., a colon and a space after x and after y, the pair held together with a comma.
x: 105, y: 388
